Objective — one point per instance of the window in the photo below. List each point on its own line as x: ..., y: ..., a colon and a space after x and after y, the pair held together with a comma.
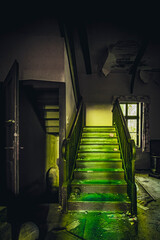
x: 143, y: 108
x: 132, y: 114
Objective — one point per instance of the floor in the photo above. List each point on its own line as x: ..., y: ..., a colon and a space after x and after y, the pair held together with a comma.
x: 46, y: 221
x: 119, y: 226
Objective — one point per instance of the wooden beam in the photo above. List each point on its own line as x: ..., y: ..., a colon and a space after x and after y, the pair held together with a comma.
x: 85, y: 47
x: 137, y: 61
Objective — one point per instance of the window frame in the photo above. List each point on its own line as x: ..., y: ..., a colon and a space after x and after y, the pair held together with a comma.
x: 145, y: 111
x: 137, y: 117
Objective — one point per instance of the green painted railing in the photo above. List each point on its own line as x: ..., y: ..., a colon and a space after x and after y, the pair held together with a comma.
x: 69, y: 153
x: 128, y: 151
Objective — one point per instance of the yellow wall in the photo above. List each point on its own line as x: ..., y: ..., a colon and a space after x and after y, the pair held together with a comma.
x: 52, y: 155
x: 98, y: 115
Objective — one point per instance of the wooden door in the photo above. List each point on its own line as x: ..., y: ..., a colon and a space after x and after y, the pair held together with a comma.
x: 11, y: 87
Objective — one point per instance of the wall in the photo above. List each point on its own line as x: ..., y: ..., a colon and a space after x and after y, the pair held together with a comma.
x: 41, y: 54
x: 39, y: 57
x: 98, y: 90
x: 38, y: 47
x: 70, y: 100
x: 52, y: 157
x: 98, y: 115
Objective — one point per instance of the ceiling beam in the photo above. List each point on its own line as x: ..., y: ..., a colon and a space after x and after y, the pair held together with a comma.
x: 85, y: 47
x: 137, y: 61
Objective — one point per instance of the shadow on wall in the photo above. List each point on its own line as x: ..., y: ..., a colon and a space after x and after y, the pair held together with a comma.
x: 32, y: 156
x: 39, y: 173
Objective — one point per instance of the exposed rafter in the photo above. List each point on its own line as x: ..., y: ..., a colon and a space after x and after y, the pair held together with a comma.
x: 85, y: 47
x: 137, y: 61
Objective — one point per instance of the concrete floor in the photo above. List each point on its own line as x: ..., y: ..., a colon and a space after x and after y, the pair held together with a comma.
x: 102, y: 225
x: 48, y: 222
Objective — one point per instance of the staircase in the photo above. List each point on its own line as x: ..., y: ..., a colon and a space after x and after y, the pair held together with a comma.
x: 98, y: 181
x: 51, y: 117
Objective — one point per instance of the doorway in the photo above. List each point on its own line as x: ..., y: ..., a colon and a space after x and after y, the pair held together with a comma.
x: 35, y: 124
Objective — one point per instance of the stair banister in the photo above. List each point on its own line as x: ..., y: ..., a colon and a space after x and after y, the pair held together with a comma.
x: 69, y: 151
x: 128, y: 150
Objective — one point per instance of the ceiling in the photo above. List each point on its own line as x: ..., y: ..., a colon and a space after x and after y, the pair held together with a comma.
x: 112, y: 38
x: 116, y: 47
x: 112, y: 41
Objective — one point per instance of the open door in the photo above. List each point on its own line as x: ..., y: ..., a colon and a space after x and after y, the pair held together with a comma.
x: 11, y: 87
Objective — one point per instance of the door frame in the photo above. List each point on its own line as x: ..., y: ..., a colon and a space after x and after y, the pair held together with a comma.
x: 61, y: 86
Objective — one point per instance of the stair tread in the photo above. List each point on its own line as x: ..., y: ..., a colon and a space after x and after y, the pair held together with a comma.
x: 102, y: 131
x: 99, y: 144
x: 99, y: 197
x: 98, y: 182
x: 111, y: 134
x: 107, y: 151
x: 90, y: 127
x: 94, y: 150
x: 98, y: 126
x: 99, y: 160
x: 98, y: 129
x: 99, y: 137
x: 99, y: 169
x: 99, y: 155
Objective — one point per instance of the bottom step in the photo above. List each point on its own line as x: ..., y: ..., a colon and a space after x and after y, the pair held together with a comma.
x: 99, y: 202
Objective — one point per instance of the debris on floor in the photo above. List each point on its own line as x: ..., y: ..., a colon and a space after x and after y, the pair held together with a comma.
x: 72, y: 225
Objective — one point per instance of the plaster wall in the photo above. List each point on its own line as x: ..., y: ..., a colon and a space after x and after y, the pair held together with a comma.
x: 70, y: 100
x: 41, y: 54
x: 40, y: 57
x: 98, y: 91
